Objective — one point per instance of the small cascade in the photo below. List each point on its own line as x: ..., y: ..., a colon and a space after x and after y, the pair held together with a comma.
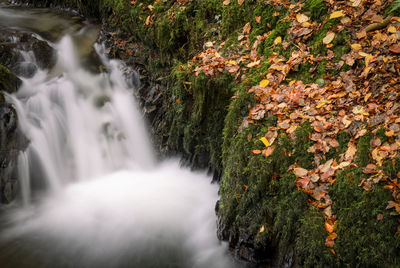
x: 24, y: 178
x: 93, y: 194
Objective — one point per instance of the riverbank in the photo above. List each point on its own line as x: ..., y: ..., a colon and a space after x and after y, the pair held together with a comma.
x: 291, y: 105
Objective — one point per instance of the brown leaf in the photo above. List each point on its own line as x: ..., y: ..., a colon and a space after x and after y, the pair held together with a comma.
x: 300, y: 172
x: 369, y: 169
x: 246, y: 28
x: 379, y: 217
x: 395, y: 48
x: 351, y: 151
x: 254, y: 152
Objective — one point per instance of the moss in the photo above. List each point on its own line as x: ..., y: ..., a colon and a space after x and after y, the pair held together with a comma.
x: 290, y: 206
x: 8, y: 81
x: 363, y: 239
x: 392, y: 167
x: 380, y: 133
x: 301, y: 144
x: 316, y: 8
x: 198, y: 113
x: 363, y: 147
x: 343, y: 139
x: 310, y: 243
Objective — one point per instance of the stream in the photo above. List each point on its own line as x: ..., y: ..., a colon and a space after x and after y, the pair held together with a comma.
x: 92, y: 193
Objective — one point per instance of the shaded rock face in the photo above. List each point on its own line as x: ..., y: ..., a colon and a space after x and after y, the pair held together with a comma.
x: 12, y: 43
x: 12, y: 141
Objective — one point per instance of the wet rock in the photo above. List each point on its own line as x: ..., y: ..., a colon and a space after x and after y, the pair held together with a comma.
x: 44, y: 54
x: 11, y: 45
x: 8, y: 81
x: 12, y: 141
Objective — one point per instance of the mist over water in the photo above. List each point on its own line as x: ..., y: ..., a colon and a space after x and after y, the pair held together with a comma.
x: 92, y: 193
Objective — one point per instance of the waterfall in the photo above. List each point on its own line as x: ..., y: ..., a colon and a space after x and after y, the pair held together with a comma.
x: 93, y: 193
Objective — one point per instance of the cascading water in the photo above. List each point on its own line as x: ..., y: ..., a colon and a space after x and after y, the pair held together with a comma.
x: 107, y: 203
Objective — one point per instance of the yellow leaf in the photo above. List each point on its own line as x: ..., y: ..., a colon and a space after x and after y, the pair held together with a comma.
x: 147, y: 22
x: 356, y: 46
x: 150, y: 7
x: 262, y: 229
x: 302, y: 18
x: 368, y: 58
x: 328, y: 38
x: 232, y: 62
x: 278, y: 40
x: 367, y: 97
x: 322, y: 103
x: 265, y: 141
x: 226, y: 2
x: 264, y: 83
x: 336, y: 14
x: 392, y: 29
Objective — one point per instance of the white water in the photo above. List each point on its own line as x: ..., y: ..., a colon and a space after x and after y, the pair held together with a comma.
x: 107, y: 203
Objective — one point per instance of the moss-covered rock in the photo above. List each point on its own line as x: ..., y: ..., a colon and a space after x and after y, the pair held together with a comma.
x: 8, y: 81
x: 366, y: 230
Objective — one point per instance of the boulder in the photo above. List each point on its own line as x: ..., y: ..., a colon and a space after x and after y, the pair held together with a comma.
x: 8, y: 81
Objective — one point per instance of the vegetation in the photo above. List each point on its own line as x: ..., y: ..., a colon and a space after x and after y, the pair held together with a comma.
x: 293, y: 105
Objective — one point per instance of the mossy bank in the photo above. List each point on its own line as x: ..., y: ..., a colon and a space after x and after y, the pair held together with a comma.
x: 265, y: 216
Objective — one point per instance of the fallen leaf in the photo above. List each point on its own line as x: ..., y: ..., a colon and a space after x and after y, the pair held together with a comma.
x: 262, y: 229
x: 336, y: 14
x: 356, y: 46
x: 300, y: 172
x: 389, y: 133
x: 258, y: 19
x: 395, y: 49
x: 392, y: 29
x: 264, y: 83
x: 369, y: 169
x: 226, y: 2
x: 302, y: 18
x: 240, y: 2
x: 265, y: 141
x: 351, y: 151
x: 278, y: 40
x: 329, y: 227
x: 328, y: 38
x: 246, y: 28
x: 255, y: 152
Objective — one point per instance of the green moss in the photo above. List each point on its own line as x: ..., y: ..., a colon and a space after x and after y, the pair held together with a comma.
x: 363, y: 239
x: 290, y: 206
x: 363, y: 147
x: 301, y: 144
x: 380, y: 133
x: 8, y: 81
x: 316, y: 8
x: 310, y: 243
x: 197, y: 116
x: 392, y: 167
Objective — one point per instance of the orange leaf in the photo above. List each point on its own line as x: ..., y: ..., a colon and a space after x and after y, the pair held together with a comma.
x: 329, y: 227
x: 389, y: 133
x: 254, y: 152
x: 226, y: 2
x: 240, y: 2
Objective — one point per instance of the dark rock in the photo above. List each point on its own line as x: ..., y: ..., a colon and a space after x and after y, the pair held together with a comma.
x: 44, y: 54
x: 12, y: 141
x: 8, y: 81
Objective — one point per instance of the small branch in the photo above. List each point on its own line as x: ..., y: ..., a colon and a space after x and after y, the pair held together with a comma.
x: 378, y: 25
